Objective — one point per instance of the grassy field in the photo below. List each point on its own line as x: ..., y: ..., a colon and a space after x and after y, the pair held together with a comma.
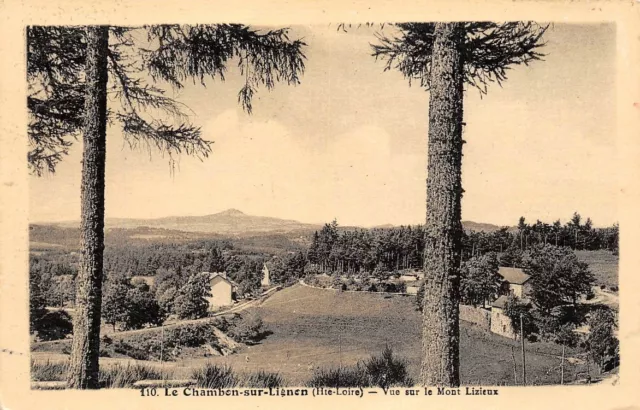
x: 314, y: 328
x: 603, y: 264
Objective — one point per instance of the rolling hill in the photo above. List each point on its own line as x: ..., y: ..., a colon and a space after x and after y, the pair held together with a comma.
x: 233, y: 222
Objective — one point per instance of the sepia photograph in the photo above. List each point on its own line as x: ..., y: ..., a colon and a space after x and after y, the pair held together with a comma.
x: 337, y: 207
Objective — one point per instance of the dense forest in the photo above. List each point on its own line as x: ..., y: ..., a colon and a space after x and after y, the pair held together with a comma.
x: 390, y: 249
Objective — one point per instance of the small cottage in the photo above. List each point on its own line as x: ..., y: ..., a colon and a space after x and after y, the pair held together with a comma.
x: 222, y: 290
x: 515, y: 282
x: 500, y: 322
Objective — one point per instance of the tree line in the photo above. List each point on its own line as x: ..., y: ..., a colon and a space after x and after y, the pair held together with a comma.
x: 393, y: 249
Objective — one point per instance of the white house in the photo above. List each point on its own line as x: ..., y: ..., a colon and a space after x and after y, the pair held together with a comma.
x: 222, y: 289
x: 266, y: 280
x: 516, y: 282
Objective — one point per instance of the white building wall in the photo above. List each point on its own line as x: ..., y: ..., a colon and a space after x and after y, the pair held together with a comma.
x: 221, y: 291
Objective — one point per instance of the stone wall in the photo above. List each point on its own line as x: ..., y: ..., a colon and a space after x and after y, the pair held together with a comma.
x: 501, y: 324
x: 478, y: 316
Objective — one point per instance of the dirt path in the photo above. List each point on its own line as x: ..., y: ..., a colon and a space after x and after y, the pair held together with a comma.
x: 603, y: 297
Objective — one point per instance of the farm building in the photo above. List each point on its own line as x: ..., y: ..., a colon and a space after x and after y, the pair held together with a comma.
x: 222, y: 290
x: 516, y: 282
x: 266, y: 280
x: 500, y: 322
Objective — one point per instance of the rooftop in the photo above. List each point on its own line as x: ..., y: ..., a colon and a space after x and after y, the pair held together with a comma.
x: 513, y: 275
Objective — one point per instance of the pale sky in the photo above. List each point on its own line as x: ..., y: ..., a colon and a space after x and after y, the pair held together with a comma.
x: 350, y: 142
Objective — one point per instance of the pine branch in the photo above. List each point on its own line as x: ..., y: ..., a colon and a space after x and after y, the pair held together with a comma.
x: 490, y: 49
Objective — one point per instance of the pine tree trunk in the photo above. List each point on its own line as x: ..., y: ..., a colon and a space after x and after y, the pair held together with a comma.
x: 440, y: 328
x: 83, y: 373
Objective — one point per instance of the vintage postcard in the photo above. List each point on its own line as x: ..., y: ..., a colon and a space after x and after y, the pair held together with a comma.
x: 319, y: 205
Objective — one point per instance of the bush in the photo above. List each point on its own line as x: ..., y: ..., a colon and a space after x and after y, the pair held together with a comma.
x: 355, y: 376
x: 386, y: 370
x: 132, y: 351
x: 263, y: 379
x: 119, y: 376
x: 116, y: 376
x: 249, y: 329
x: 150, y: 346
x: 515, y: 308
x: 54, y: 325
x: 49, y: 371
x: 383, y: 370
x: 190, y: 336
x: 212, y: 376
x: 566, y: 335
x: 601, y: 343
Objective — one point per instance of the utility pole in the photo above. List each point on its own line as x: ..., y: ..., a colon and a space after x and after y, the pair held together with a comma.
x: 524, y: 362
x: 562, y: 366
x: 515, y: 371
x: 162, y: 352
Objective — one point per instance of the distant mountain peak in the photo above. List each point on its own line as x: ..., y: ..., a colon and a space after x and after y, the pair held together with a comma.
x: 232, y: 212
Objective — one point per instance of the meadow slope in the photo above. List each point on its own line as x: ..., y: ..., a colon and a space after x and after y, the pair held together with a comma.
x: 314, y: 328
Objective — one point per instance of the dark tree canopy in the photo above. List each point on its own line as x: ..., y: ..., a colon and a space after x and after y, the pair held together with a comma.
x: 141, y: 59
x: 488, y: 51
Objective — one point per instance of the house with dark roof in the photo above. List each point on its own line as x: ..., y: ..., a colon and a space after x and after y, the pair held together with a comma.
x: 515, y: 282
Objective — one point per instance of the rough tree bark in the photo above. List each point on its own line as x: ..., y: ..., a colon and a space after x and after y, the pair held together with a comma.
x: 83, y: 372
x: 440, y: 328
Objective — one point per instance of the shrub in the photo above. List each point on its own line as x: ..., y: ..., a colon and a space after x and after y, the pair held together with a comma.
x: 212, y: 376
x: 566, y: 335
x: 601, y: 343
x: 54, y: 325
x: 132, y: 351
x: 386, y: 370
x: 263, y: 379
x: 194, y: 335
x: 383, y: 370
x: 49, y: 371
x: 354, y: 376
x: 119, y: 376
x: 249, y: 329
x: 150, y: 346
x: 515, y: 308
